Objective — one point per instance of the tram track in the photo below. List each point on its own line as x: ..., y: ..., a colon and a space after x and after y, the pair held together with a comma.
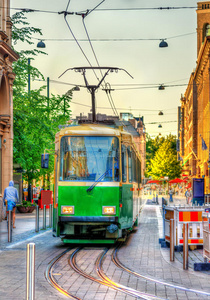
x: 50, y: 278
x: 104, y: 280
x: 123, y: 267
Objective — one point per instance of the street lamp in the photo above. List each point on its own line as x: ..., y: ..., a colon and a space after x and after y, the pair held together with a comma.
x: 161, y: 87
x: 41, y: 44
x: 163, y: 44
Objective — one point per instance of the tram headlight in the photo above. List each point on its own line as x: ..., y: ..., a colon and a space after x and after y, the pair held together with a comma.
x: 67, y: 210
x: 109, y: 210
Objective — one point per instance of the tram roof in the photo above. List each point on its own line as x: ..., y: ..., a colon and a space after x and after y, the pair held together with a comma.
x: 92, y: 129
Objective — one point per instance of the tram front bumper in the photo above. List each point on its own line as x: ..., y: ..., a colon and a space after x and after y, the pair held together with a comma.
x: 88, y: 219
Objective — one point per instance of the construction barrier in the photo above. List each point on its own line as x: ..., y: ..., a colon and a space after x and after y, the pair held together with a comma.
x: 182, y: 215
x: 206, y: 234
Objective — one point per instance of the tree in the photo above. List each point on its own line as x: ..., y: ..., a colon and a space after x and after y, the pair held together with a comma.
x: 165, y: 161
x: 152, y: 145
x: 36, y: 118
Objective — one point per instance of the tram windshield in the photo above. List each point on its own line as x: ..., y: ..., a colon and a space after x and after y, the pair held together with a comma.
x: 89, y: 158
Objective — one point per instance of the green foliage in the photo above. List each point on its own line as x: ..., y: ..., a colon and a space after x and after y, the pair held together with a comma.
x: 26, y: 204
x: 165, y: 161
x: 36, y: 118
x: 152, y: 145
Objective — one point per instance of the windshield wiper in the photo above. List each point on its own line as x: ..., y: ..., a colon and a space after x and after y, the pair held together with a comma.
x: 97, y: 181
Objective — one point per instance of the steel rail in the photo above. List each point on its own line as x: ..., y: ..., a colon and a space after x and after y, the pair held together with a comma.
x: 50, y: 278
x: 105, y: 280
x: 120, y: 265
x: 123, y: 288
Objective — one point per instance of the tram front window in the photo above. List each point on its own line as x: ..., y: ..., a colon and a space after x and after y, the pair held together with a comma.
x: 89, y: 158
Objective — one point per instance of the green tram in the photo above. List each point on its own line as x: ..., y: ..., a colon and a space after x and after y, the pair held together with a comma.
x: 97, y: 184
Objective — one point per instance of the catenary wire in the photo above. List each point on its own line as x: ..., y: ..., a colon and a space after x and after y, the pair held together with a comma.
x: 114, y: 39
x: 107, y: 91
x: 65, y: 14
x: 102, y: 9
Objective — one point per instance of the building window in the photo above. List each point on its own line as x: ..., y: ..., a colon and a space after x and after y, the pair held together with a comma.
x: 207, y: 30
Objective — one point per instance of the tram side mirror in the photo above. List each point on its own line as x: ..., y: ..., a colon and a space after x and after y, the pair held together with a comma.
x: 45, y: 161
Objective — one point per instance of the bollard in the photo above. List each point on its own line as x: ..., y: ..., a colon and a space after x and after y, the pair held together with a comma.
x: 50, y: 216
x: 9, y: 226
x: 30, y: 272
x: 185, y: 246
x: 44, y: 217
x: 171, y: 239
x: 37, y: 219
x: 163, y: 208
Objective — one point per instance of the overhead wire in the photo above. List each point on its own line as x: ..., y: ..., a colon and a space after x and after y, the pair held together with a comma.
x: 147, y: 8
x: 88, y: 12
x: 102, y: 10
x: 115, y: 39
x: 65, y: 15
x: 108, y: 93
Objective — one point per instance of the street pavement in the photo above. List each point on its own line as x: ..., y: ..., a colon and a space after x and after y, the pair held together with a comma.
x: 25, y: 227
x: 141, y: 253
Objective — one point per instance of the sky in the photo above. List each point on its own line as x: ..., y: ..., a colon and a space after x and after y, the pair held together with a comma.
x: 149, y: 65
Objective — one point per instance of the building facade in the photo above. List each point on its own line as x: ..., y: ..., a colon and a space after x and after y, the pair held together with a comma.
x: 194, y: 112
x: 7, y: 57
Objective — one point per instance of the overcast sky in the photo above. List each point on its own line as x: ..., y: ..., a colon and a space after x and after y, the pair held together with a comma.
x: 143, y: 59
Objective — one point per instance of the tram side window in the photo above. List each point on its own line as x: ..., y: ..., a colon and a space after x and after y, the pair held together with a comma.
x: 134, y: 166
x: 139, y: 171
x: 130, y: 173
x: 124, y: 164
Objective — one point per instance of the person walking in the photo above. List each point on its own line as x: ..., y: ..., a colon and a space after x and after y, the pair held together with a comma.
x: 10, y: 198
x: 171, y: 195
x: 188, y: 196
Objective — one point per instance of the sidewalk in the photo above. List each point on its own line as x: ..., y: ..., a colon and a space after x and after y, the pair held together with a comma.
x: 25, y: 227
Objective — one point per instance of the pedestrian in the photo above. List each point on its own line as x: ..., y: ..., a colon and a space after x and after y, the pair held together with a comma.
x: 188, y: 196
x: 171, y: 195
x: 10, y: 198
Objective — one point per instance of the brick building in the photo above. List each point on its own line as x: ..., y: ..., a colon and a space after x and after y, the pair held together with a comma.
x: 7, y: 57
x: 194, y: 113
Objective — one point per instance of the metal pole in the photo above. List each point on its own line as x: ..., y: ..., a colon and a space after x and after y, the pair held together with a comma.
x: 48, y: 96
x: 30, y: 272
x: 9, y: 223
x: 37, y: 219
x: 29, y: 76
x: 163, y: 208
x: 44, y: 217
x: 50, y: 216
x: 92, y: 89
x: 185, y: 246
x: 172, y: 240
